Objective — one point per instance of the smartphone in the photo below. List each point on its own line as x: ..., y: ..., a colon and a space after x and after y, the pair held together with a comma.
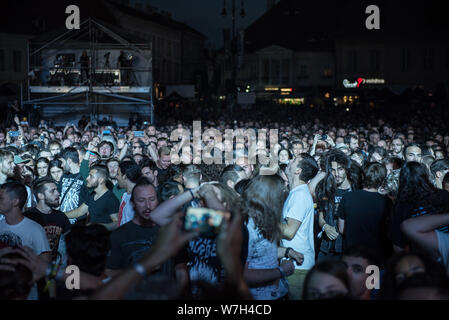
x: 14, y: 133
x: 138, y: 134
x: 106, y: 132
x: 204, y: 220
x: 324, y: 137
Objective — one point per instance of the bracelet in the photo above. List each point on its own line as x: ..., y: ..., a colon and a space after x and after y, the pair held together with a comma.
x: 282, y: 272
x: 140, y: 269
x: 191, y: 193
x: 286, y: 252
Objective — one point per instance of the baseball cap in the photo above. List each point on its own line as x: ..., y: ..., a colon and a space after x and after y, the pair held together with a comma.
x: 19, y: 160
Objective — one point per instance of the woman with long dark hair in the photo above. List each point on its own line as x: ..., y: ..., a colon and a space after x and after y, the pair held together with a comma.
x: 263, y: 200
x: 56, y: 170
x: 416, y: 196
x: 42, y: 167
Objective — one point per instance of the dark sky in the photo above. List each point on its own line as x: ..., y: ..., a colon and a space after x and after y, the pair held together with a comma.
x: 205, y: 15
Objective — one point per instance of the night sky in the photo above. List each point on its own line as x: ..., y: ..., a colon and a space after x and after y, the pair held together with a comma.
x: 205, y: 15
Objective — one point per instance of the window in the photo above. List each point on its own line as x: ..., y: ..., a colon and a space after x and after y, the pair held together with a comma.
x: 375, y: 60
x: 17, y: 61
x: 327, y: 72
x: 254, y: 71
x: 169, y: 44
x: 2, y: 60
x: 428, y: 59
x: 406, y: 59
x: 276, y: 71
x: 265, y: 70
x: 285, y: 71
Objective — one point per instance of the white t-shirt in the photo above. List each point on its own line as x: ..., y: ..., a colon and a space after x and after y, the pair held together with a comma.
x: 128, y: 210
x: 26, y: 233
x: 443, y: 248
x: 262, y: 254
x: 299, y: 206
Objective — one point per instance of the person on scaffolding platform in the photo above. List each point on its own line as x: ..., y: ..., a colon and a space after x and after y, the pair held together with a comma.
x: 84, y: 63
x: 123, y: 64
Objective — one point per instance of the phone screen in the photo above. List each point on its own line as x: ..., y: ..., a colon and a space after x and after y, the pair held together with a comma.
x: 204, y: 220
x: 138, y: 133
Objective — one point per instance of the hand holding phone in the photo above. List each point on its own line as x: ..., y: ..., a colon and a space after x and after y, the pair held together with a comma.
x: 204, y: 220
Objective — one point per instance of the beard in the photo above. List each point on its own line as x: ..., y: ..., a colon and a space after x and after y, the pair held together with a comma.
x: 93, y: 185
x: 54, y: 204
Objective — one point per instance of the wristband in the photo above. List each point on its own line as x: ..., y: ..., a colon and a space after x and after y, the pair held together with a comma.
x: 286, y: 252
x: 282, y: 272
x: 140, y: 269
x: 191, y: 193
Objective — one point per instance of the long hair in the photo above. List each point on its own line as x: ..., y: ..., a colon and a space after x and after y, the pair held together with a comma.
x: 263, y: 202
x: 229, y: 197
x: 416, y: 189
x: 327, y: 188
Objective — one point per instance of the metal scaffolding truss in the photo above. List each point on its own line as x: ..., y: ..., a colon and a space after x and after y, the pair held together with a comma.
x: 87, y: 93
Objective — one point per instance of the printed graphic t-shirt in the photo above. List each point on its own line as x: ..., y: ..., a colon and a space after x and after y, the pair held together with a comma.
x: 73, y: 192
x: 55, y: 225
x: 25, y: 233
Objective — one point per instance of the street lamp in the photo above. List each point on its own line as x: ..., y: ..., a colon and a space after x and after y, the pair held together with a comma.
x: 233, y: 41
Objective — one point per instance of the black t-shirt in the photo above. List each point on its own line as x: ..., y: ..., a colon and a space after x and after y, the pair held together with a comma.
x: 55, y: 224
x: 100, y: 209
x: 365, y: 215
x: 163, y: 175
x: 403, y: 211
x: 73, y: 192
x: 204, y: 263
x: 327, y: 245
x: 128, y: 245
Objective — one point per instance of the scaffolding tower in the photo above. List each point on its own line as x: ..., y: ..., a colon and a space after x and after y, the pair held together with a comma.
x: 64, y: 84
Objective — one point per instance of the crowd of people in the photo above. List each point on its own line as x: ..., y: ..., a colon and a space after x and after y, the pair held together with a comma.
x: 355, y: 206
